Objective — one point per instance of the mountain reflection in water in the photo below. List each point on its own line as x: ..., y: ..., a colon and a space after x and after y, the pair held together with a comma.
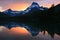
x: 32, y: 31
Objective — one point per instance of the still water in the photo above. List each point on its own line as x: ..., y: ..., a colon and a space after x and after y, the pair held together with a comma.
x: 27, y: 31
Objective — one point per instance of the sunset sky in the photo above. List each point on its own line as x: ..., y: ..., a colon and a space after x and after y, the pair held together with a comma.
x: 23, y: 4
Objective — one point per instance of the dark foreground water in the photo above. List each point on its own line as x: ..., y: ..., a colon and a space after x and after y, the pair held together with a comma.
x: 28, y: 31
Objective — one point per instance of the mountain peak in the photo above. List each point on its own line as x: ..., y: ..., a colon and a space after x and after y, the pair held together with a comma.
x: 34, y: 6
x: 9, y: 10
x: 34, y: 3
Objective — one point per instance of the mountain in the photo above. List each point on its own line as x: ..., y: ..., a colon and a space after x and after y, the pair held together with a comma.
x: 13, y: 13
x: 57, y: 8
x: 35, y: 11
x: 3, y: 14
x: 34, y: 7
x: 52, y: 15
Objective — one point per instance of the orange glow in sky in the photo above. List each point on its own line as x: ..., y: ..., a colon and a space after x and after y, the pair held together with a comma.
x: 23, y: 4
x: 18, y: 6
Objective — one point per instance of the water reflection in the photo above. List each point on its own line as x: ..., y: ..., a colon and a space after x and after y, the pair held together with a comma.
x: 19, y: 31
x: 32, y: 30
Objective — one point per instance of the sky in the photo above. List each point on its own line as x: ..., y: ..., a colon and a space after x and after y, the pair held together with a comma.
x: 23, y: 4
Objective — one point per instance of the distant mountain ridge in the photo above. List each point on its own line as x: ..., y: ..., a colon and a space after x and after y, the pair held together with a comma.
x: 33, y: 7
x: 12, y: 13
x: 34, y: 10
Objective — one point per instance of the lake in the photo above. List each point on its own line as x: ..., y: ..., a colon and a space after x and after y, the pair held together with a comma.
x: 10, y: 30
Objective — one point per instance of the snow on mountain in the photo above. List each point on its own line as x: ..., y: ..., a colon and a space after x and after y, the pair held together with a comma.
x: 13, y: 13
x: 33, y: 6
